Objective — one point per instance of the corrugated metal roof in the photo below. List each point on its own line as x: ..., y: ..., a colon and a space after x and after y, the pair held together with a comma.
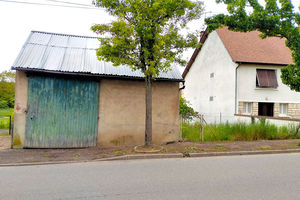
x: 54, y: 52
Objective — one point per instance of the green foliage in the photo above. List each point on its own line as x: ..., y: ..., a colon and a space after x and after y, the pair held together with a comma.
x: 7, y: 90
x: 271, y: 20
x: 146, y: 34
x: 4, y: 117
x: 239, y: 132
x: 185, y: 109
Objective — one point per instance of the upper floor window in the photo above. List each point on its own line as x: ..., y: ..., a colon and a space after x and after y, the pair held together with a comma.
x: 212, y: 75
x: 266, y: 78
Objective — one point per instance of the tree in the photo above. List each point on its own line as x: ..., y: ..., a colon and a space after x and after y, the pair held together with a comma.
x: 272, y: 20
x: 7, y: 89
x: 146, y: 36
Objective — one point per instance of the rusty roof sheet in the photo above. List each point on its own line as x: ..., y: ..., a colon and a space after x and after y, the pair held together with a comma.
x: 250, y: 48
x: 62, y: 53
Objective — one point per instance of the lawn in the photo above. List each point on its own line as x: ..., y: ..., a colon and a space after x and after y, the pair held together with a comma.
x: 239, y: 132
x: 4, y: 117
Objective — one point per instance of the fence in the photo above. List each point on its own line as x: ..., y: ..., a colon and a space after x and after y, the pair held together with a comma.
x: 196, y: 128
x: 196, y: 122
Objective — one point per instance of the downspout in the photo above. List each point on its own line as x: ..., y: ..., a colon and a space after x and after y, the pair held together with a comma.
x: 183, y: 86
x: 235, y: 107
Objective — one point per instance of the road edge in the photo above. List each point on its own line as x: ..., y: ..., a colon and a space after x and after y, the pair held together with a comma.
x: 159, y: 156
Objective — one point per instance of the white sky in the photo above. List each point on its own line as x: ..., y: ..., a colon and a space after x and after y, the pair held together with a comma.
x: 17, y: 20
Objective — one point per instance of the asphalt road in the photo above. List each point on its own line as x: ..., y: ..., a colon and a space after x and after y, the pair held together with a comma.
x: 256, y: 177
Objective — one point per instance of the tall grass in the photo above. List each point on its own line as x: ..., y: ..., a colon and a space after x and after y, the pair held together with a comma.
x: 4, y: 117
x: 239, y: 132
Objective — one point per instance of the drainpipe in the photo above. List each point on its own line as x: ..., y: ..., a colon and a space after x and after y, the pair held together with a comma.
x: 183, y: 83
x: 235, y: 107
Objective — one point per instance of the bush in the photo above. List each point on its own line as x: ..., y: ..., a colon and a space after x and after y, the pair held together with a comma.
x: 3, y: 104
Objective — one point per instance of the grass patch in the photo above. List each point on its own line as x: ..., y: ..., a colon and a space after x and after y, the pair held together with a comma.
x: 4, y: 117
x: 299, y: 144
x: 239, y: 132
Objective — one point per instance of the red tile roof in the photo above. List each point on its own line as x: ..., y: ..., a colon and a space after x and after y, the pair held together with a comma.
x: 250, y: 48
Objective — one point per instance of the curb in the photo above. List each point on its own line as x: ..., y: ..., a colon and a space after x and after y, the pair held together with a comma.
x: 159, y: 156
x: 143, y: 156
x: 238, y: 153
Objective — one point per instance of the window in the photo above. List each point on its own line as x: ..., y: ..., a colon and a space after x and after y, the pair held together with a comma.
x: 266, y: 109
x: 283, y: 108
x: 247, y: 107
x: 211, y: 98
x: 212, y: 75
x: 266, y: 78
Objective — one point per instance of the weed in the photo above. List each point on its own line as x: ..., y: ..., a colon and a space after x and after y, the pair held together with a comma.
x: 77, y: 155
x: 299, y: 144
x: 117, y: 152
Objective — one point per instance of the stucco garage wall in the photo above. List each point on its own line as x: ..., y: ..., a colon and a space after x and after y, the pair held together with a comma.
x: 122, y: 112
x: 20, y: 108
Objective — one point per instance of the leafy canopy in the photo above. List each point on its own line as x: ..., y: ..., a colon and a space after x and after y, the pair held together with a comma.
x: 146, y: 34
x: 276, y: 18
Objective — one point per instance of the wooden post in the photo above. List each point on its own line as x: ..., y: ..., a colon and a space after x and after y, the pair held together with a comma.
x: 202, y: 128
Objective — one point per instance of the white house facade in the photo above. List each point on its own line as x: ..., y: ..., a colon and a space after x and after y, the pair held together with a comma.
x: 236, y: 75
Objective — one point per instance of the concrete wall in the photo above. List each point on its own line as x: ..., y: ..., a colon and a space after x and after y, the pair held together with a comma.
x: 213, y: 58
x: 248, y: 92
x: 122, y: 112
x: 20, y: 108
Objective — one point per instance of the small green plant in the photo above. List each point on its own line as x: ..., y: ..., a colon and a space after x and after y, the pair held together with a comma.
x: 77, y: 155
x: 299, y: 144
x: 46, y: 156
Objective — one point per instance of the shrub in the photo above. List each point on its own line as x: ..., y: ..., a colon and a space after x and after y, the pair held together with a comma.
x: 3, y: 104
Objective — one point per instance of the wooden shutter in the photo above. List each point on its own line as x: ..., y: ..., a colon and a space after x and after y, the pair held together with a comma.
x: 266, y: 78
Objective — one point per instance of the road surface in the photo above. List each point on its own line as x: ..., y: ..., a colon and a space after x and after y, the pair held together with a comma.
x: 257, y: 177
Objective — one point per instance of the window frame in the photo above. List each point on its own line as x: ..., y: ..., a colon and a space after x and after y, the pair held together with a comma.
x: 281, y: 109
x: 247, y: 108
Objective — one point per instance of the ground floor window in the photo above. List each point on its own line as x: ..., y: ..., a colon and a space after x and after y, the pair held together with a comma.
x: 283, y: 108
x: 247, y: 108
x: 266, y: 109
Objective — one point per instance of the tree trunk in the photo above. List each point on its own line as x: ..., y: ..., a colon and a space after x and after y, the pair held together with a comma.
x: 148, y: 127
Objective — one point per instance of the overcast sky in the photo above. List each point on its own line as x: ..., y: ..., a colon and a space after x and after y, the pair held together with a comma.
x: 18, y: 19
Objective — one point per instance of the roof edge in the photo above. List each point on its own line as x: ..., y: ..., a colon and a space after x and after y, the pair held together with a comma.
x: 92, y: 75
x: 64, y: 34
x: 261, y: 63
x: 203, y: 38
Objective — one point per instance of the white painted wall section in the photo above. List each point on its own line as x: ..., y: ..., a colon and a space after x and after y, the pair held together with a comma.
x: 247, y: 90
x: 200, y: 86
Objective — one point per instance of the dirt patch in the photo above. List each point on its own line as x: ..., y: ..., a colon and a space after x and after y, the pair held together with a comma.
x: 5, y: 142
x: 8, y: 155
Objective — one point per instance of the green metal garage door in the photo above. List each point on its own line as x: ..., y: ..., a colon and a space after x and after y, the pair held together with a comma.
x: 62, y: 113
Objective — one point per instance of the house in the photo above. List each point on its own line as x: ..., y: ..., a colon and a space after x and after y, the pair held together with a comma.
x: 65, y: 97
x: 236, y: 75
